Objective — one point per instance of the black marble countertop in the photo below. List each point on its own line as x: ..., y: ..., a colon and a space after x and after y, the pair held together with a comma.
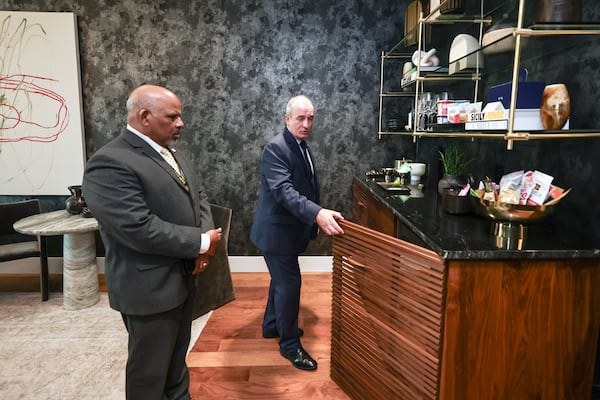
x: 469, y: 236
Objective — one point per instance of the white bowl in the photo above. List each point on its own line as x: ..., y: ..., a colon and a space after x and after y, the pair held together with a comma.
x: 417, y: 169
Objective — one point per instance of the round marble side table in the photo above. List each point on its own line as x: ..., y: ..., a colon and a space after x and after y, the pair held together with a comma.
x: 80, y: 272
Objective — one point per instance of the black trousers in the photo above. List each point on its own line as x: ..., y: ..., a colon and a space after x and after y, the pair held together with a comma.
x: 157, y: 348
x: 283, y: 303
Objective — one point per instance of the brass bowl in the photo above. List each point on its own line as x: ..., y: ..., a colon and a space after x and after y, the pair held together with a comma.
x: 523, y: 214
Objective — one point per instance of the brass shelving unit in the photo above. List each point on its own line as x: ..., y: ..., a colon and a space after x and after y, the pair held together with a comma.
x: 510, y: 135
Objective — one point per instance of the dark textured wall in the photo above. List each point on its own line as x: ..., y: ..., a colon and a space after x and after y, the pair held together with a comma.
x: 235, y: 64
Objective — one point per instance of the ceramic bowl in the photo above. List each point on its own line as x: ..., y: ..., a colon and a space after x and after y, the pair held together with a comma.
x: 417, y: 170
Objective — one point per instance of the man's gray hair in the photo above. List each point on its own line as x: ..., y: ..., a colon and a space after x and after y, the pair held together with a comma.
x: 290, y: 103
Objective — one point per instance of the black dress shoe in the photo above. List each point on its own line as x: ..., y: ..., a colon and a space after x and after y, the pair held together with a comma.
x: 272, y: 335
x: 300, y: 359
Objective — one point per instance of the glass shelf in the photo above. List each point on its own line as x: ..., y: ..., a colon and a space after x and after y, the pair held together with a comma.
x: 518, y: 135
x: 397, y: 94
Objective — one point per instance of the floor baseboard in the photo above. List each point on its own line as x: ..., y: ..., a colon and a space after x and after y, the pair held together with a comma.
x: 236, y: 264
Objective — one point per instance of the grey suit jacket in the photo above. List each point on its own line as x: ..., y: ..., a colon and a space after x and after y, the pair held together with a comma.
x: 288, y: 200
x: 150, y: 224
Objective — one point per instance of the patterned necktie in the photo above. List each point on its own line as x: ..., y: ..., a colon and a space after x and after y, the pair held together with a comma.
x: 306, y: 159
x: 168, y: 156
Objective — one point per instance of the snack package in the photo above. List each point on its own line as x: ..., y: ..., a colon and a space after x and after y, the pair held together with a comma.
x: 554, y: 192
x: 527, y: 185
x: 541, y: 188
x: 490, y: 193
x: 510, y: 187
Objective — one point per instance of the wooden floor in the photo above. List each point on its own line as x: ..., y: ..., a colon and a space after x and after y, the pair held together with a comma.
x: 231, y: 360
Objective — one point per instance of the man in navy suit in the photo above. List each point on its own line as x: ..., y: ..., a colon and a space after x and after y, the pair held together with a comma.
x: 287, y: 217
x: 156, y: 227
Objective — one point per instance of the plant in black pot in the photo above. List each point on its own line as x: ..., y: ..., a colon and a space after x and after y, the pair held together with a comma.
x: 454, y: 163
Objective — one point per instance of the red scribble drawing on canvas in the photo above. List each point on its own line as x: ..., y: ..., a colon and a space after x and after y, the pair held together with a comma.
x: 48, y: 124
x: 29, y: 109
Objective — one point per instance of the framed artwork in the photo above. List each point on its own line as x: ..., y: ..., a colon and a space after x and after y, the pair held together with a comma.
x: 42, y: 147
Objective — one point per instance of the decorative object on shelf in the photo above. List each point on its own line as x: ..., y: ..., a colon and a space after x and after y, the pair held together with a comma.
x: 556, y: 106
x: 499, y: 37
x: 464, y: 54
x: 75, y: 203
x: 411, y: 19
x: 425, y: 58
x: 454, y: 163
x: 529, y: 93
x: 558, y: 11
x: 453, y: 7
x: 434, y: 5
x: 447, y: 7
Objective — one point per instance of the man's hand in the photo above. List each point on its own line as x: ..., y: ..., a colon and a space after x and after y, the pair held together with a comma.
x: 201, y: 263
x: 215, y: 237
x: 326, y: 219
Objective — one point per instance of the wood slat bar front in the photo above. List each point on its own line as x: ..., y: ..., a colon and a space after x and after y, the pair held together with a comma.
x: 387, y: 316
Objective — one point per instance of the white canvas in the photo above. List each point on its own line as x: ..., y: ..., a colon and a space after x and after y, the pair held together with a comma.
x: 42, y: 148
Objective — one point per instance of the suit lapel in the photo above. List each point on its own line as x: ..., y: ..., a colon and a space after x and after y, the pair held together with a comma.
x: 144, y: 148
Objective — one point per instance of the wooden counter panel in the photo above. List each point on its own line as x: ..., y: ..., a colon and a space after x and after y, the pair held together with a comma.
x: 368, y: 212
x: 520, y: 330
x: 387, y: 316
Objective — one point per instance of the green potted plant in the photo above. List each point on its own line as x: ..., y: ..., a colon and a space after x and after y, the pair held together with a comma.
x: 454, y: 163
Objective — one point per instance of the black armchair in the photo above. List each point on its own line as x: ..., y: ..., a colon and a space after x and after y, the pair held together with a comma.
x: 15, y: 246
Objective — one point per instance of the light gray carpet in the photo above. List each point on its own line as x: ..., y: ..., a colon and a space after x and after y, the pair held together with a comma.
x: 49, y: 353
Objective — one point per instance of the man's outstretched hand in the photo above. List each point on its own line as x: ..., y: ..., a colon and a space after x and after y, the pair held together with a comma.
x: 327, y: 221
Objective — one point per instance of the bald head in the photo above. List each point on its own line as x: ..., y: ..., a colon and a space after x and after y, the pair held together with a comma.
x: 156, y: 112
x: 146, y: 97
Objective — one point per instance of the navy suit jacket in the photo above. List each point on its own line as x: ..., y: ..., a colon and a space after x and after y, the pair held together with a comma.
x: 151, y: 225
x: 288, y: 201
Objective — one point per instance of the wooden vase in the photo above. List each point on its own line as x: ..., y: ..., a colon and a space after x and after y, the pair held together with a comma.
x: 556, y: 106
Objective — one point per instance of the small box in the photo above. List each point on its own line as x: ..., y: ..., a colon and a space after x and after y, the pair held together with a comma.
x: 525, y: 120
x: 529, y: 94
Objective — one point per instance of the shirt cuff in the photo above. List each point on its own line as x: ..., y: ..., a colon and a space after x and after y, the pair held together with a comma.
x: 204, y: 243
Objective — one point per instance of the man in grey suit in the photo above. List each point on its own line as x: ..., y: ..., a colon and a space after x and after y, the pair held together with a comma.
x: 287, y: 217
x: 157, y: 231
